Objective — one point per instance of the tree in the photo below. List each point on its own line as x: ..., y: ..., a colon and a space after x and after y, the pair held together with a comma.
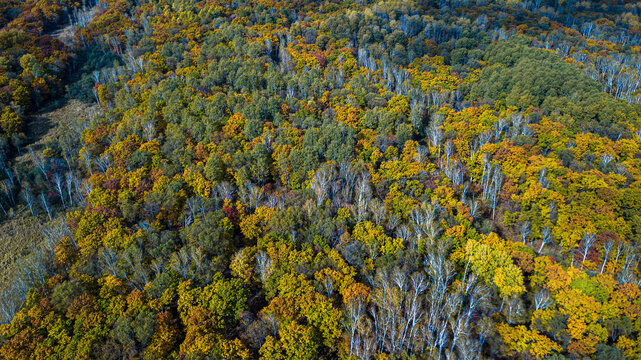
x: 296, y: 342
x: 519, y: 339
x: 10, y: 122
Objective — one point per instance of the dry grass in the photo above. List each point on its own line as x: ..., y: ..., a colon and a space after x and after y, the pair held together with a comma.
x: 66, y: 35
x: 19, y: 236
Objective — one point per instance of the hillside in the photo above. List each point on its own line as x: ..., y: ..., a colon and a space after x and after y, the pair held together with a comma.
x: 257, y: 179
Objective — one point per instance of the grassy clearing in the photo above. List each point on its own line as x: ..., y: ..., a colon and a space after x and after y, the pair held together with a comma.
x: 20, y: 232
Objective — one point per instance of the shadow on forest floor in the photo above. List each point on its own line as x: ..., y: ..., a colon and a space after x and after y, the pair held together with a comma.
x: 45, y: 125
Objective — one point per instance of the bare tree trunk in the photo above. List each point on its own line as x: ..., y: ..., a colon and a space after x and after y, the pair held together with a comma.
x: 45, y: 205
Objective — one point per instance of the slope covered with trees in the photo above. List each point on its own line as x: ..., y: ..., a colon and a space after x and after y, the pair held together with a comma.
x: 326, y: 180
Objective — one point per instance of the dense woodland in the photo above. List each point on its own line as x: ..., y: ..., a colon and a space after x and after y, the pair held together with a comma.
x: 258, y: 179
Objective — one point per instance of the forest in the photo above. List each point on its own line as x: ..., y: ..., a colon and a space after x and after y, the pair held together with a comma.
x: 320, y: 179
